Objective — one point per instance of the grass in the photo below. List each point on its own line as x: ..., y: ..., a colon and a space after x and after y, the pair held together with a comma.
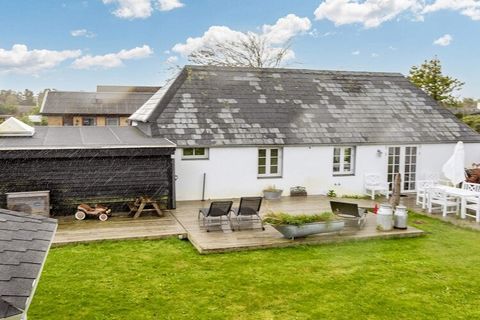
x: 432, y: 277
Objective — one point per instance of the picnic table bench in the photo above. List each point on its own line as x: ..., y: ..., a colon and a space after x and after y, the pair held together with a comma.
x: 144, y: 204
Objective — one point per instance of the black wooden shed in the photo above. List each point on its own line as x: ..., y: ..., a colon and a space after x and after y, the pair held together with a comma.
x: 111, y: 165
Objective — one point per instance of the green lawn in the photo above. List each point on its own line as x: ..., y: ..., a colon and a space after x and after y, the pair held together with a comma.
x: 432, y: 277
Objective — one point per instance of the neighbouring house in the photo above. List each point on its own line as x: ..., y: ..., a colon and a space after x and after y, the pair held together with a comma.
x: 111, y: 165
x: 239, y: 130
x: 24, y: 243
x: 108, y: 106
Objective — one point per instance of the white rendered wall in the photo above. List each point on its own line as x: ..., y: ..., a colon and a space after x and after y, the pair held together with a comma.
x: 232, y: 172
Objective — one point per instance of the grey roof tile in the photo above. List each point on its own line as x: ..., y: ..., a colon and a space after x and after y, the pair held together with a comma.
x: 108, y: 103
x: 235, y: 104
x: 24, y: 245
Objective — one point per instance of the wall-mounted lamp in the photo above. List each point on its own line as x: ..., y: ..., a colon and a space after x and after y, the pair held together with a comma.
x: 379, y: 153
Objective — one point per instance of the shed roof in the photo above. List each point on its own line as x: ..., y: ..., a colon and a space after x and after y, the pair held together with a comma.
x: 84, y: 138
x: 24, y: 243
x: 14, y: 127
x: 215, y: 106
x: 106, y: 103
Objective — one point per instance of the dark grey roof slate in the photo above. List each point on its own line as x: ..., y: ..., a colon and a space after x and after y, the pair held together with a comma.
x: 84, y: 137
x: 215, y: 106
x: 101, y: 103
x: 24, y: 243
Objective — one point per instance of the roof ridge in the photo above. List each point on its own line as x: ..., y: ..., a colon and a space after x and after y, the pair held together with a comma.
x: 290, y: 70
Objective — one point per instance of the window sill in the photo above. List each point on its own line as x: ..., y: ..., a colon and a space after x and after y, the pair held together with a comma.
x: 344, y: 174
x: 188, y: 159
x: 269, y: 177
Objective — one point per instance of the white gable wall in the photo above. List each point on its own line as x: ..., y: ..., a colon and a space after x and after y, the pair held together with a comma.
x: 231, y: 172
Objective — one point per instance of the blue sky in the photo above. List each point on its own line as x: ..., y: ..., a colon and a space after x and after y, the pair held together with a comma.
x: 75, y: 45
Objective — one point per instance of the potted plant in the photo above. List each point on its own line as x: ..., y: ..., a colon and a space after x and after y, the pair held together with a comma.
x: 295, y: 226
x: 272, y: 193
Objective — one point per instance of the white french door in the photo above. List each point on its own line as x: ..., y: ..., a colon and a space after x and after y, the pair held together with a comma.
x: 402, y: 159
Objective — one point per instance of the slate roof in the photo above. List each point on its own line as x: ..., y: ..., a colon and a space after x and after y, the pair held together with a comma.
x: 84, y: 138
x: 107, y: 103
x: 215, y: 106
x: 24, y: 243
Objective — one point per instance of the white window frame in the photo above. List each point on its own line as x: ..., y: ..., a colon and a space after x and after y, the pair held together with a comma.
x: 342, y: 171
x: 195, y: 156
x: 268, y: 162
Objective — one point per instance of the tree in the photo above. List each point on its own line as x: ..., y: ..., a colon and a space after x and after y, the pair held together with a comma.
x: 429, y: 78
x: 250, y: 50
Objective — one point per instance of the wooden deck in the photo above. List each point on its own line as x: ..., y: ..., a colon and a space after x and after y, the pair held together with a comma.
x: 223, y: 239
x: 117, y: 228
x: 183, y: 222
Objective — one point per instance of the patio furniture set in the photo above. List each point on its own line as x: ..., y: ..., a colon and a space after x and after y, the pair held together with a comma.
x: 433, y: 196
x: 221, y: 213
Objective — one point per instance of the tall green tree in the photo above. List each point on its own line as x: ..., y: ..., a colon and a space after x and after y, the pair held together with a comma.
x: 429, y: 77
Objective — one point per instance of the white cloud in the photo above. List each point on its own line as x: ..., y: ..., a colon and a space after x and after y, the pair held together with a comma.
x: 275, y: 35
x: 356, y: 52
x: 167, y: 5
x: 370, y: 13
x: 172, y: 59
x: 286, y: 28
x: 22, y: 60
x: 444, y: 40
x: 141, y: 9
x: 82, y: 33
x: 112, y: 60
x: 374, y: 55
x: 131, y: 9
x: 469, y: 8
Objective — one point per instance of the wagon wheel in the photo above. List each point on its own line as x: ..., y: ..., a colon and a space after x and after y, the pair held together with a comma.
x: 80, y: 215
x: 103, y: 217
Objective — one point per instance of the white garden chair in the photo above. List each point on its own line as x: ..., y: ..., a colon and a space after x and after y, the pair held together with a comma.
x: 439, y: 200
x: 422, y: 191
x: 475, y: 187
x: 472, y: 204
x: 374, y: 185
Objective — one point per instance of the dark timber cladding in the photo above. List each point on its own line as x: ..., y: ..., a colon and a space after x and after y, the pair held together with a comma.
x: 88, y: 164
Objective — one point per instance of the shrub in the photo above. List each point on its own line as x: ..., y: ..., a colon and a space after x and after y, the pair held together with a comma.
x: 283, y: 218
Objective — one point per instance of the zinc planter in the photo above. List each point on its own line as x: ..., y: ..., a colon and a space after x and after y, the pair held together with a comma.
x: 292, y: 231
x: 272, y: 195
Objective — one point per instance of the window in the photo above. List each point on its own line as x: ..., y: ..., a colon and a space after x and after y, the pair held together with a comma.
x: 194, y: 153
x: 269, y: 162
x: 111, y: 121
x: 88, y: 121
x: 343, y: 160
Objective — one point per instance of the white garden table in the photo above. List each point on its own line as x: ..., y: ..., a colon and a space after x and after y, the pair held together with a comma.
x: 462, y: 194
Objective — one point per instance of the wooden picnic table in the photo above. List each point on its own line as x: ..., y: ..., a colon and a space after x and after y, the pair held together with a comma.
x: 144, y: 204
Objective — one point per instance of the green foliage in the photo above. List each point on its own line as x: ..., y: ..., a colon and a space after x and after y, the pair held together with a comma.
x: 8, y: 109
x: 331, y: 193
x: 282, y: 218
x: 473, y: 121
x: 429, y: 78
x: 359, y: 196
x: 431, y: 277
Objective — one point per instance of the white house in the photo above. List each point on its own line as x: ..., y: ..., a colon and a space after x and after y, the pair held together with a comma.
x: 239, y: 130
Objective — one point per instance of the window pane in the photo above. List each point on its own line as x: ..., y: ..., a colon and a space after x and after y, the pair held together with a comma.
x: 274, y: 152
x: 188, y: 152
x: 200, y: 151
x: 262, y: 152
x: 274, y: 161
x: 273, y: 169
x: 336, y: 168
x: 336, y: 159
x: 346, y: 167
x: 262, y: 161
x: 348, y: 151
x: 261, y: 170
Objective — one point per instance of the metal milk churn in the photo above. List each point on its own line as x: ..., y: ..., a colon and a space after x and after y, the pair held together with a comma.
x: 385, y: 218
x: 400, y: 217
